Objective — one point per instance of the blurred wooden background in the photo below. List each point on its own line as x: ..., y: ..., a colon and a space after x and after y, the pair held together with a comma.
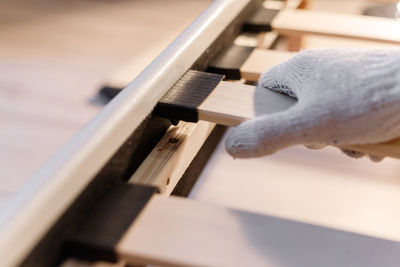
x: 54, y: 56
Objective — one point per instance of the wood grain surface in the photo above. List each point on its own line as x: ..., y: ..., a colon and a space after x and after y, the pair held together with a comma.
x: 54, y: 56
x: 169, y: 159
x: 261, y: 60
x: 322, y: 187
x: 232, y: 103
x: 298, y: 22
x: 179, y: 232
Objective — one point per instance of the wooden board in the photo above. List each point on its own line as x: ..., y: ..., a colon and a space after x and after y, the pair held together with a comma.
x: 232, y: 103
x: 167, y: 162
x: 323, y: 187
x: 260, y: 60
x: 298, y: 22
x: 181, y: 232
x: 318, y: 41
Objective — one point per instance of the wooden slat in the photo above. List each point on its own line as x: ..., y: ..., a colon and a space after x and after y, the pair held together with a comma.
x: 232, y: 103
x: 318, y: 41
x: 261, y: 60
x: 168, y: 161
x: 322, y: 187
x: 298, y: 22
x: 181, y: 232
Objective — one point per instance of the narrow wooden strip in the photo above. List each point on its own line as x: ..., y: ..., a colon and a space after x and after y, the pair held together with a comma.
x: 298, y: 22
x: 181, y: 232
x: 260, y: 60
x: 232, y: 103
x: 167, y: 162
x: 318, y: 41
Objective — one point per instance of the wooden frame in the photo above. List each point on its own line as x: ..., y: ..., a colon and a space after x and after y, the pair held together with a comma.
x: 57, y: 185
x: 53, y: 188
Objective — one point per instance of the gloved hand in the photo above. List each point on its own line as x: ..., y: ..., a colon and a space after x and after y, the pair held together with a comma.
x: 345, y: 97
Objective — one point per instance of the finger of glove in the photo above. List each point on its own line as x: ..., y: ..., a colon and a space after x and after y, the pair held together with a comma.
x: 268, y: 134
x: 285, y: 77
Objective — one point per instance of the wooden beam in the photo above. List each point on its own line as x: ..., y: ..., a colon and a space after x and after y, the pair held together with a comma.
x: 167, y: 162
x: 261, y: 60
x: 232, y: 103
x: 297, y: 22
x: 180, y: 232
x: 324, y: 42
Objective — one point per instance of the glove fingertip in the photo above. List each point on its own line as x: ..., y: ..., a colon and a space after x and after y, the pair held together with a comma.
x: 233, y: 142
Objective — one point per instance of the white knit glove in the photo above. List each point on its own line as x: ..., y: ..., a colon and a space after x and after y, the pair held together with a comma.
x: 345, y: 97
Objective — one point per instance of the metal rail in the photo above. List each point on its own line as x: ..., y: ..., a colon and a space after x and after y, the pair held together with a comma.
x: 28, y: 215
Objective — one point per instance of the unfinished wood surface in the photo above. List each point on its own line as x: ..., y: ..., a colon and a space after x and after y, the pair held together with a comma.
x: 317, y: 42
x: 323, y: 187
x: 64, y: 51
x: 181, y: 232
x: 260, y: 60
x: 232, y: 103
x: 167, y: 162
x: 298, y: 22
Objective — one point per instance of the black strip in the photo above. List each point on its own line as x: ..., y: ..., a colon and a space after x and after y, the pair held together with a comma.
x: 182, y: 100
x: 109, y: 93
x: 261, y: 20
x: 230, y: 61
x: 106, y: 224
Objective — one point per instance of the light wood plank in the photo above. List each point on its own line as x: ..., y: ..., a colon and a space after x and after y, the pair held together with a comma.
x: 298, y: 22
x: 181, y: 232
x: 232, y: 103
x: 318, y: 41
x: 354, y: 195
x: 168, y: 161
x: 260, y: 60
